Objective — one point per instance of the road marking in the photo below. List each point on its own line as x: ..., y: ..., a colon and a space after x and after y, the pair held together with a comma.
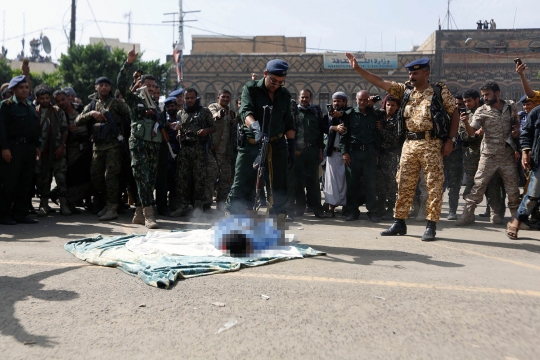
x: 40, y: 263
x: 519, y: 263
x: 390, y: 283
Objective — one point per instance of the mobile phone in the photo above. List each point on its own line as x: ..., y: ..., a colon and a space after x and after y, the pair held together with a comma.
x: 329, y: 108
x: 376, y: 98
x: 518, y: 61
x: 462, y: 110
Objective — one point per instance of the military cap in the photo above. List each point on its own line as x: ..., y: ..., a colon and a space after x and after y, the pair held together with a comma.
x: 69, y: 91
x: 524, y: 99
x: 176, y: 93
x: 340, y: 95
x: 170, y: 99
x: 21, y: 79
x: 277, y: 67
x: 418, y: 64
x: 101, y: 80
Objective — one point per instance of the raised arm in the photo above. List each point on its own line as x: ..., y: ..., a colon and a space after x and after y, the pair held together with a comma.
x: 520, y: 69
x: 372, y: 78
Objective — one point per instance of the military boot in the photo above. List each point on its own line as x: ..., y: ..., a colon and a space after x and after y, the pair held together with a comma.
x: 421, y: 212
x: 103, y: 211
x: 111, y: 213
x: 180, y: 211
x: 429, y: 234
x: 467, y: 217
x: 64, y: 207
x: 43, y: 208
x: 398, y: 228
x: 149, y: 219
x: 138, y: 218
x: 496, y: 219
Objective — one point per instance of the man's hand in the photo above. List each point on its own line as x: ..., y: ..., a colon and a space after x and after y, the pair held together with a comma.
x: 253, y: 76
x: 6, y: 155
x: 99, y: 117
x: 202, y: 133
x: 59, y: 152
x: 352, y: 60
x: 132, y: 55
x: 320, y: 155
x: 38, y: 154
x: 464, y: 117
x: 336, y: 114
x: 515, y: 131
x: 347, y: 159
x: 479, y: 132
x: 447, y: 148
x: 25, y: 69
x: 378, y: 125
x: 341, y: 129
x: 526, y: 159
x: 520, y: 69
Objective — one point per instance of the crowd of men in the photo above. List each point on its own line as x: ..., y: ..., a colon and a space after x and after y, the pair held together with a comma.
x: 398, y: 158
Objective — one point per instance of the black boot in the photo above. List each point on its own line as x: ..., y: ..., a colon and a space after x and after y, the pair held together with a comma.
x: 429, y: 234
x: 398, y: 228
x: 487, y: 213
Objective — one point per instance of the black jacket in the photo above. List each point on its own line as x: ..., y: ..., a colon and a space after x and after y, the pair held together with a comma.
x: 529, y: 138
x: 329, y: 121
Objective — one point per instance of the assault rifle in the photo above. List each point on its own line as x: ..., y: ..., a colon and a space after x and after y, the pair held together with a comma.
x: 260, y: 161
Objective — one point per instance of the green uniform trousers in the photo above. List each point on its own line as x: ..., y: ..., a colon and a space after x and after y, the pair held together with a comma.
x: 363, y: 164
x: 241, y: 195
x: 105, y: 172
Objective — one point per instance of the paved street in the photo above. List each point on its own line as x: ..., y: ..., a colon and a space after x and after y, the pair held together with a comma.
x: 472, y: 294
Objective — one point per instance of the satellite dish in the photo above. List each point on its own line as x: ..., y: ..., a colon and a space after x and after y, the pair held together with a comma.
x: 46, y: 45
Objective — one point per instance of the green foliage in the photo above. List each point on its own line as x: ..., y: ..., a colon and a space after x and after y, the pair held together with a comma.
x: 5, y: 72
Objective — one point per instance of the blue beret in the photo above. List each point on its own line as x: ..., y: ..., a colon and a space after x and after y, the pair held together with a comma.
x: 176, y: 93
x: 418, y: 64
x: 170, y: 99
x: 101, y: 80
x: 524, y: 99
x: 277, y: 67
x: 21, y: 79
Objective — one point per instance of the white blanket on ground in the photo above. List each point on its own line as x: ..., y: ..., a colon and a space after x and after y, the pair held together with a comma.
x: 196, y: 243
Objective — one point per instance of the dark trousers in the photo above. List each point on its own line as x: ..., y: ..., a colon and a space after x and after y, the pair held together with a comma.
x: 363, y: 164
x: 306, y: 180
x: 453, y: 174
x: 162, y: 180
x: 245, y: 179
x: 16, y: 180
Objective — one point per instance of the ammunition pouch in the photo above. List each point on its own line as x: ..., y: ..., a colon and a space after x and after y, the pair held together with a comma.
x: 142, y: 129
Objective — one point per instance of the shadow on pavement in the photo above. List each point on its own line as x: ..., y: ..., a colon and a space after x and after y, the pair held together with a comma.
x: 15, y: 289
x: 514, y: 245
x: 368, y: 257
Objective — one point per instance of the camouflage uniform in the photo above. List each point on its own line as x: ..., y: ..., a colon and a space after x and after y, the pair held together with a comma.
x: 191, y: 160
x: 421, y: 154
x: 53, y: 126
x: 497, y: 155
x: 387, y: 167
x: 107, y: 153
x: 219, y: 166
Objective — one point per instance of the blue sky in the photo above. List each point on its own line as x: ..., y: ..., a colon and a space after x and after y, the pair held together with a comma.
x: 337, y: 25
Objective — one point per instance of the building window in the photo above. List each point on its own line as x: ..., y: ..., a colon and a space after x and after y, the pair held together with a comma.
x: 210, y: 98
x: 535, y: 46
x: 324, y: 99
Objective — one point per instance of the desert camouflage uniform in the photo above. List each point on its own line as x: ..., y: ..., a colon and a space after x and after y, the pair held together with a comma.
x: 219, y: 166
x: 421, y: 154
x: 191, y: 160
x: 497, y: 153
x: 53, y: 125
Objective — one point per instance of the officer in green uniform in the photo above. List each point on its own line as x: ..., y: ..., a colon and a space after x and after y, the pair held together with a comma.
x: 256, y: 94
x: 19, y: 141
x: 309, y: 145
x: 360, y: 146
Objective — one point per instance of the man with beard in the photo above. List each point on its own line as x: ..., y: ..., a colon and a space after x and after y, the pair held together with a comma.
x: 107, y: 151
x: 145, y: 138
x: 309, y: 146
x: 360, y: 147
x: 335, y: 184
x: 422, y: 106
x: 19, y: 142
x: 78, y: 154
x: 499, y: 121
x: 165, y: 182
x: 256, y: 94
x: 194, y: 125
x: 221, y: 147
x: 54, y: 133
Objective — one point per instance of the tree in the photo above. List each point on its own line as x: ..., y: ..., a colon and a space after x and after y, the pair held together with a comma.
x: 5, y: 72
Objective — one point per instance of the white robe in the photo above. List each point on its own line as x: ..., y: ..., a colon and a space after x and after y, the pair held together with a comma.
x: 335, y: 185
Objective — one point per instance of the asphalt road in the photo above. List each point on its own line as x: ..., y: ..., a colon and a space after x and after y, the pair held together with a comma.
x: 473, y: 294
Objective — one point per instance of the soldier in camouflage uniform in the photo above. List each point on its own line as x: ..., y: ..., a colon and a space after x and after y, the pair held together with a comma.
x: 195, y: 124
x: 221, y: 147
x: 495, y: 192
x: 388, y: 159
x: 54, y: 133
x: 145, y: 139
x: 107, y: 152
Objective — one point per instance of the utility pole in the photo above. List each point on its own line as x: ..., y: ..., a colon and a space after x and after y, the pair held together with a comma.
x: 73, y: 22
x: 128, y: 16
x: 179, y: 46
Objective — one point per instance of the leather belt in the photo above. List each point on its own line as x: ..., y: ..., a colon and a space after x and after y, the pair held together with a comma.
x: 409, y: 135
x: 252, y: 141
x: 361, y: 147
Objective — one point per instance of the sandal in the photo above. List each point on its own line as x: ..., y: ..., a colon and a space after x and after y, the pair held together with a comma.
x: 511, y: 231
